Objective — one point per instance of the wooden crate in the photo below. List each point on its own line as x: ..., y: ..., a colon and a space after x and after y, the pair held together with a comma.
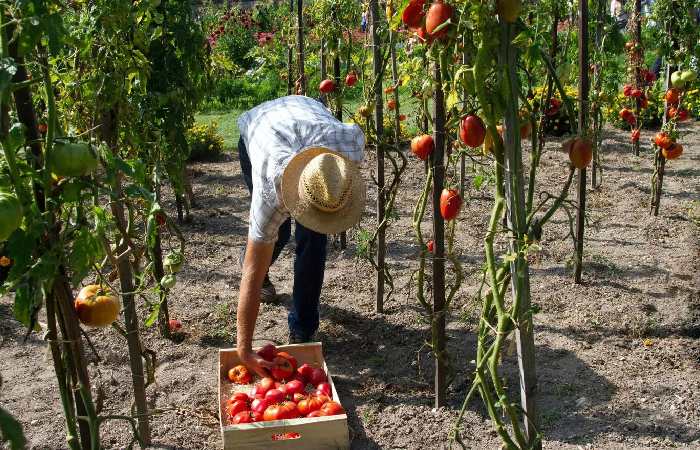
x: 315, y: 433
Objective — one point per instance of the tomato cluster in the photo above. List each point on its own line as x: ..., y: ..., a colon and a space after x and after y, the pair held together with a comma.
x: 291, y: 392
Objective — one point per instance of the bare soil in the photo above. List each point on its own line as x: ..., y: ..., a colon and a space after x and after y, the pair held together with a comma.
x: 601, y: 385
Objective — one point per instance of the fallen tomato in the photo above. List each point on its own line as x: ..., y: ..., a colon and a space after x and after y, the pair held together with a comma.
x: 96, y: 306
x: 174, y: 325
x: 450, y: 203
x: 239, y: 374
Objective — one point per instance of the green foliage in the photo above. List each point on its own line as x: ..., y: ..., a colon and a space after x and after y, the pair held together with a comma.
x: 205, y: 142
x: 11, y: 431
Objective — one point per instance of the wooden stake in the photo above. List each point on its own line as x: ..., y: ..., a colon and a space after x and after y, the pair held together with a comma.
x: 597, y: 117
x: 637, y: 74
x: 583, y: 88
x: 339, y: 116
x: 437, y: 160
x: 379, y: 122
x: 300, y: 46
x: 290, y: 57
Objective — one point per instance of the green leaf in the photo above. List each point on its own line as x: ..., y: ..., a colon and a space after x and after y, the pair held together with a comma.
x: 11, y: 431
x: 153, y: 316
x: 86, y: 250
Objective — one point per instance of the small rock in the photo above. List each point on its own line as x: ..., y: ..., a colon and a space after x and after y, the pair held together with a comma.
x: 581, y: 402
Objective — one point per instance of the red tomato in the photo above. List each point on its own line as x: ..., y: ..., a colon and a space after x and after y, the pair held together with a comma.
x: 450, y: 202
x: 663, y: 140
x: 636, y: 93
x: 331, y: 409
x: 324, y: 388
x: 422, y: 146
x: 391, y: 104
x: 402, y: 117
x: 239, y: 375
x: 281, y: 411
x: 326, y: 86
x: 294, y: 387
x: 413, y: 14
x: 672, y: 96
x: 351, y: 79
x: 259, y: 405
x: 305, y: 372
x: 236, y: 407
x: 257, y: 416
x: 285, y: 366
x: 174, y: 325
x: 296, y: 398
x: 274, y: 396
x: 635, y: 135
x: 42, y: 128
x: 310, y: 404
x: 267, y: 352
x: 581, y: 153
x: 627, y: 90
x: 242, y: 417
x: 438, y: 13
x: 318, y: 376
x: 430, y: 246
x: 240, y: 396
x: 262, y: 386
x: 316, y: 413
x: 472, y: 131
x: 673, y: 152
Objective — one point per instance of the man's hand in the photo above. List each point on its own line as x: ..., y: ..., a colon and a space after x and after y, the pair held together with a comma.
x: 255, y: 363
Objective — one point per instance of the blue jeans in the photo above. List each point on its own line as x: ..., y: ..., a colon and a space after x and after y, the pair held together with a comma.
x: 309, y: 264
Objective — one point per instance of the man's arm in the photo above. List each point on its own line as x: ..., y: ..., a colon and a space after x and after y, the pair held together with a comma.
x: 258, y: 256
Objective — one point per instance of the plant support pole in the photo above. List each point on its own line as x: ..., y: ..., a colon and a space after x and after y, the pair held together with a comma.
x: 300, y: 47
x: 637, y: 73
x: 583, y: 89
x: 438, y: 162
x: 379, y: 121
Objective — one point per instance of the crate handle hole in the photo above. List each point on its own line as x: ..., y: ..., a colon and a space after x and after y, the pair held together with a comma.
x: 286, y: 436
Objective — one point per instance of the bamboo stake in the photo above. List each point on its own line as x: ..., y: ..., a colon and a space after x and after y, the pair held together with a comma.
x: 379, y: 123
x: 583, y: 89
x: 637, y: 73
x: 300, y: 47
x: 438, y: 165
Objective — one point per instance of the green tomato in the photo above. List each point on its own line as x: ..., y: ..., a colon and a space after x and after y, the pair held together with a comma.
x: 677, y: 80
x: 168, y: 281
x: 10, y: 215
x: 72, y: 159
x: 173, y: 262
x: 688, y: 76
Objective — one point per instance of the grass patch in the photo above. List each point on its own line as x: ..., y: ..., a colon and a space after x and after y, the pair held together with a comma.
x: 227, y: 124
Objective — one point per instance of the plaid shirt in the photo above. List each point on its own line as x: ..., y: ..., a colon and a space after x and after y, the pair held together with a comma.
x: 273, y: 133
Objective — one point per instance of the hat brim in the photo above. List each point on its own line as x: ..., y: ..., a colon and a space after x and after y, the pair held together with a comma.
x: 311, y: 217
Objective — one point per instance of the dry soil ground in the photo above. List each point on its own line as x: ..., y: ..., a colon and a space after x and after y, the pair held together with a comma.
x: 600, y: 386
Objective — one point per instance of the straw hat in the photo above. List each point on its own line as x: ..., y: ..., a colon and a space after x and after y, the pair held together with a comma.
x: 323, y: 190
